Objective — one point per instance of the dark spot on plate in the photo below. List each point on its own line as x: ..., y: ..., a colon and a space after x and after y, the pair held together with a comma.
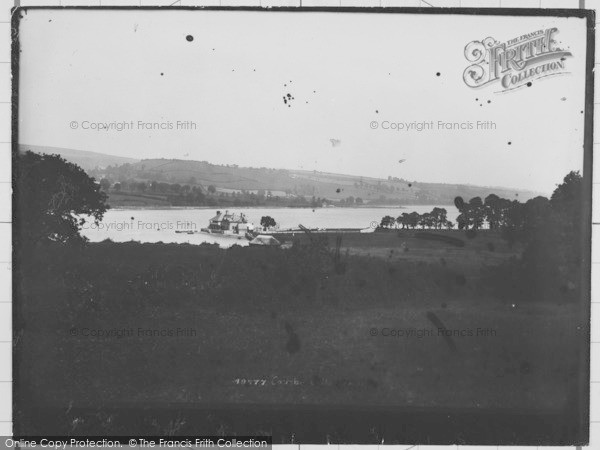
x: 489, y: 101
x: 509, y: 143
x: 409, y: 184
x: 433, y: 318
x: 438, y: 74
x: 190, y: 38
x: 459, y: 202
x: 338, y: 190
x: 529, y: 84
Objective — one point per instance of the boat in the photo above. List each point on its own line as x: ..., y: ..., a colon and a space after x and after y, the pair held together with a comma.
x: 230, y: 225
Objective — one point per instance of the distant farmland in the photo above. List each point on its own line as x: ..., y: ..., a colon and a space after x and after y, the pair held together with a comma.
x: 302, y: 183
x: 281, y: 182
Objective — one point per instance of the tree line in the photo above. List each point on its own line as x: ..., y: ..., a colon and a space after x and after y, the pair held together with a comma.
x: 494, y: 213
x: 437, y: 219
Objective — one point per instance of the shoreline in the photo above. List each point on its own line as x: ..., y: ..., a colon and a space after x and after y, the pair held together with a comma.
x: 183, y: 208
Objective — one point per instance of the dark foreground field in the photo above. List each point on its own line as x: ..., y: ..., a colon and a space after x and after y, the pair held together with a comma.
x: 389, y: 337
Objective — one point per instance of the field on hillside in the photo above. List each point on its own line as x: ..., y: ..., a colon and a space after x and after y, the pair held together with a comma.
x: 334, y: 187
x: 131, y: 200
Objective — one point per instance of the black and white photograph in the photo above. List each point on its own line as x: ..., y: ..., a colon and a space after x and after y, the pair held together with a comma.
x: 320, y: 225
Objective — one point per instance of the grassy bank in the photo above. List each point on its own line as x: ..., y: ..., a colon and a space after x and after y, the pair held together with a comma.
x: 300, y: 326
x: 458, y: 251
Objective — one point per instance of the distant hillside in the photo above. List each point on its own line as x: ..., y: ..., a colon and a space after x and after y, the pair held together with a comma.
x: 293, y: 183
x: 230, y: 180
x: 86, y: 160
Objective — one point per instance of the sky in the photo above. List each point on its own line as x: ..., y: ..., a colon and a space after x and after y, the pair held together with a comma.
x: 350, y: 76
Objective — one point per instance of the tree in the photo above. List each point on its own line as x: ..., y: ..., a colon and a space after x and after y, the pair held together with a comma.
x: 267, y: 222
x: 493, y: 211
x: 105, y: 184
x: 476, y: 213
x: 552, y: 233
x: 463, y: 218
x: 514, y: 218
x: 566, y: 201
x: 53, y: 195
x: 426, y: 220
x: 403, y: 220
x: 387, y: 222
x: 212, y: 189
x: 472, y: 214
x: 462, y: 221
x: 439, y: 216
x: 413, y: 219
x: 536, y: 214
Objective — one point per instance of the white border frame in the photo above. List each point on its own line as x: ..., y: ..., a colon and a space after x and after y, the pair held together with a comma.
x: 6, y: 186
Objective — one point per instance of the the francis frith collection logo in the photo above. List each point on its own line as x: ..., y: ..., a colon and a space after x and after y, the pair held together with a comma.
x: 516, y: 62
